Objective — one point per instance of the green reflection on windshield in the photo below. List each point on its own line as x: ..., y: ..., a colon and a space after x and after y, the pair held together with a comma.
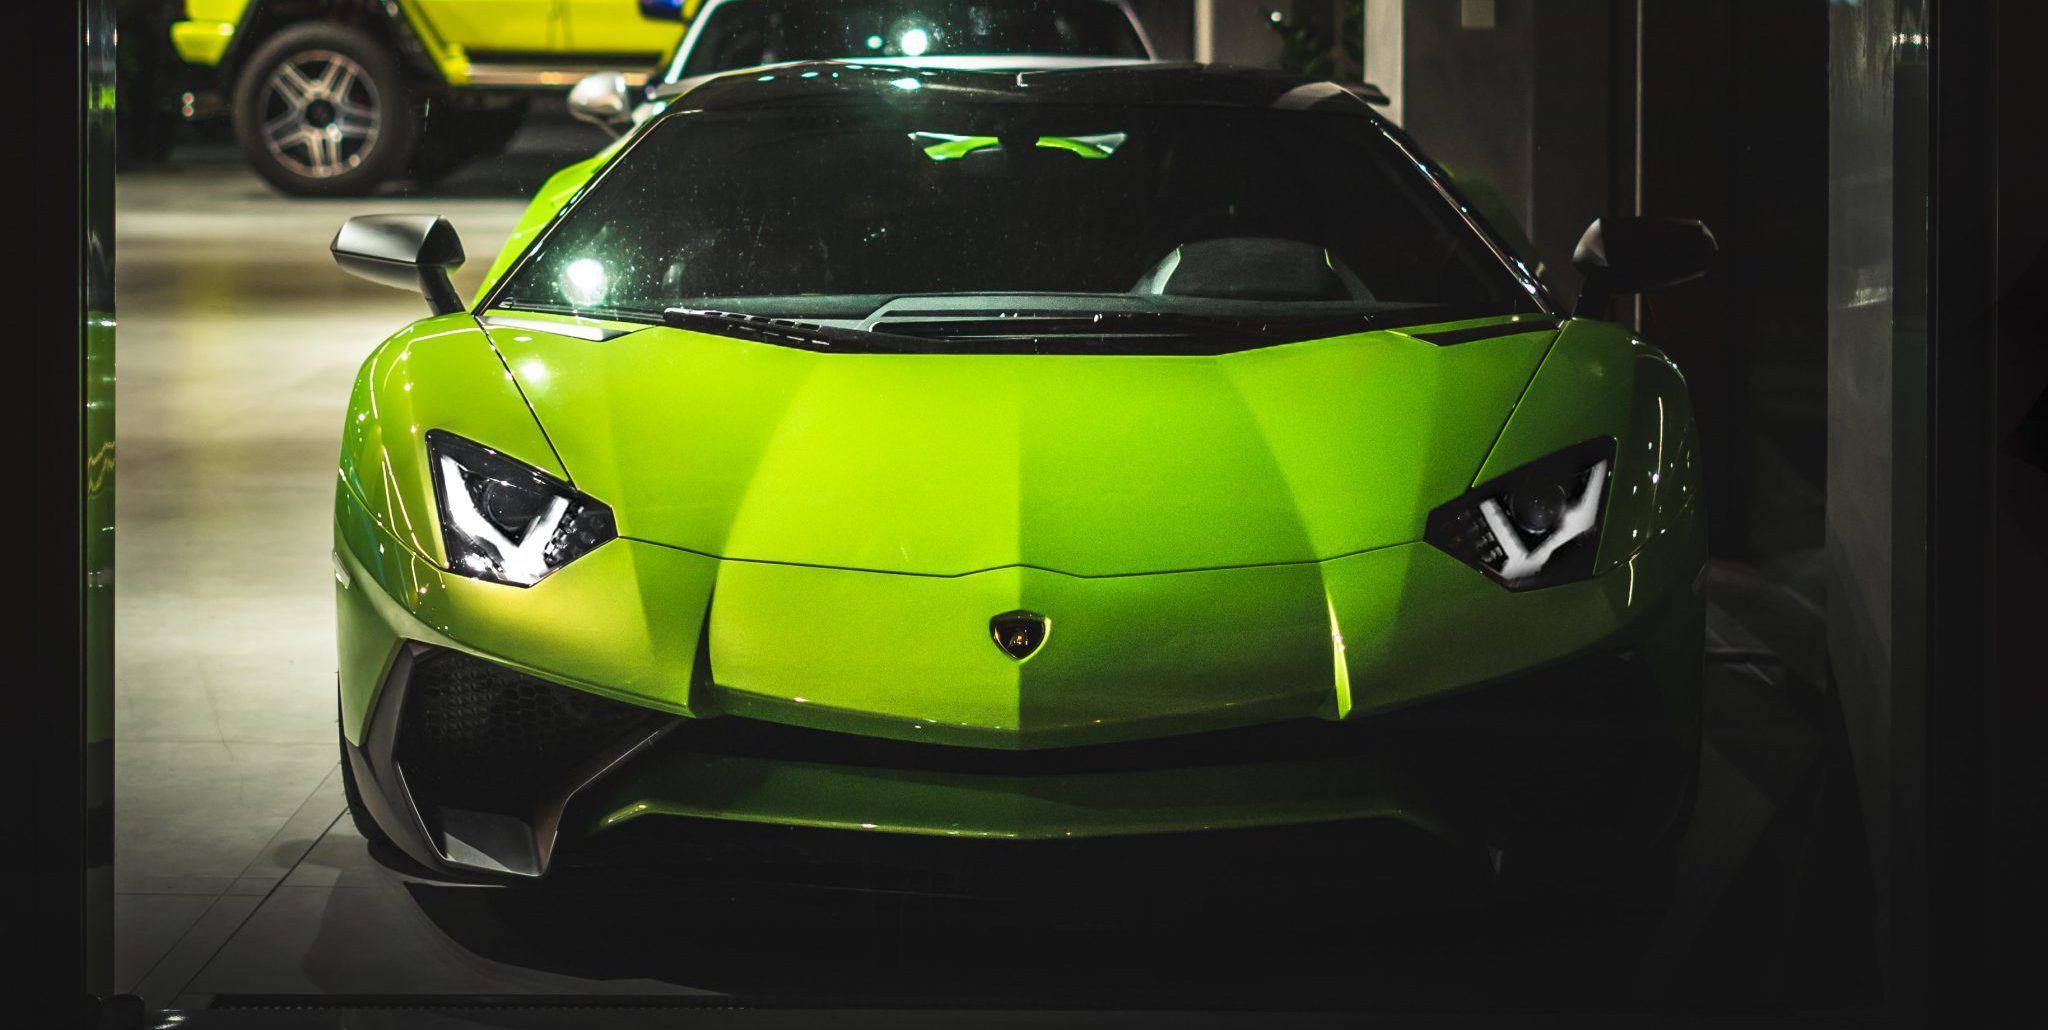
x: 945, y: 146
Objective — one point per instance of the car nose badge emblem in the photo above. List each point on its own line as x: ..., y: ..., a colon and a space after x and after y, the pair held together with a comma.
x: 1020, y: 633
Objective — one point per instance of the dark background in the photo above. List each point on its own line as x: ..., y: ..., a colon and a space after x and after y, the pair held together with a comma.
x: 1868, y: 378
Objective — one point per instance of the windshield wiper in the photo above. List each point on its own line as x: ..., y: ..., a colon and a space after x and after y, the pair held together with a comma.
x: 1122, y: 331
x: 786, y: 332
x: 1024, y: 331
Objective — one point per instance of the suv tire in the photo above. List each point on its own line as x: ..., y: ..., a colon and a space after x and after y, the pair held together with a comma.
x: 324, y: 110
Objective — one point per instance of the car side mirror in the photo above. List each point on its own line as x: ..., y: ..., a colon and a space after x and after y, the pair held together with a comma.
x: 1630, y: 254
x: 411, y: 252
x: 603, y: 100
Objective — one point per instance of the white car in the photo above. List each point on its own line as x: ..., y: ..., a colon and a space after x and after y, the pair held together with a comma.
x: 732, y: 34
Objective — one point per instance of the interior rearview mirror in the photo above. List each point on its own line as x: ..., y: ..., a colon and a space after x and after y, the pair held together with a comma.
x: 1630, y: 254
x: 603, y: 100
x: 411, y: 252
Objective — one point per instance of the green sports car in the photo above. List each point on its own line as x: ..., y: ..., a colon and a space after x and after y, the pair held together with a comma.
x: 1017, y: 451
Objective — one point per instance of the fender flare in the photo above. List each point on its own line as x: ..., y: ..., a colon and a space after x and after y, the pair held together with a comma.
x: 392, y: 19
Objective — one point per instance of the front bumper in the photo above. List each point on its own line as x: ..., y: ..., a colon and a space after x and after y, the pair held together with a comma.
x: 702, y: 689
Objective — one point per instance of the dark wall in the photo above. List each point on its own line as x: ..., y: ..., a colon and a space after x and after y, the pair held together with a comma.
x: 1937, y: 482
x: 1543, y: 108
x: 1523, y: 111
x: 1734, y: 129
x: 1469, y: 99
x: 1581, y: 150
x: 1170, y: 25
x: 58, y: 701
x: 1877, y: 298
x: 2018, y: 715
x: 1985, y: 434
x: 1244, y: 34
x: 1779, y: 277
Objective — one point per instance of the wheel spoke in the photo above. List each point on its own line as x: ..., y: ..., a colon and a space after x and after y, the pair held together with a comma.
x: 339, y: 80
x: 329, y: 122
x: 326, y: 82
x: 303, y: 140
x: 284, y: 128
x: 354, y: 111
x: 291, y: 84
x: 348, y: 127
x: 320, y: 148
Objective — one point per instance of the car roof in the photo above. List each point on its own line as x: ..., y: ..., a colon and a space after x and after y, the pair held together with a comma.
x: 1019, y: 79
x: 703, y: 18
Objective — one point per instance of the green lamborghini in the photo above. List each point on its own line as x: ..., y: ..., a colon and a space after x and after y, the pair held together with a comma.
x: 1014, y: 451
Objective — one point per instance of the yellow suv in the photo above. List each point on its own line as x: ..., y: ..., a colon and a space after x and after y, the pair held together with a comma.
x: 336, y: 96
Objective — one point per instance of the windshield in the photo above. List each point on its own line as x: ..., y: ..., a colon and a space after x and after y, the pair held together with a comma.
x: 746, y: 33
x: 952, y: 216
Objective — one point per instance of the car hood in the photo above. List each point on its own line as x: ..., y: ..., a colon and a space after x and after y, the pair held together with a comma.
x: 939, y: 464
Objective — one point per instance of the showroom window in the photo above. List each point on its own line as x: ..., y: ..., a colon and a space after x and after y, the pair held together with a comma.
x: 1289, y: 510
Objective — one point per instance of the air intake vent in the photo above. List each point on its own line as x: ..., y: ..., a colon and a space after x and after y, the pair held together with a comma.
x: 481, y: 736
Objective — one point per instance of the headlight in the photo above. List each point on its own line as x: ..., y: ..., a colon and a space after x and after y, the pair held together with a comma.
x: 508, y: 522
x: 1537, y: 526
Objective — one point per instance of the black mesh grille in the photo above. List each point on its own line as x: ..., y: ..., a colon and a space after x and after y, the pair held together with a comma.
x: 1586, y: 703
x: 1579, y: 741
x: 483, y: 736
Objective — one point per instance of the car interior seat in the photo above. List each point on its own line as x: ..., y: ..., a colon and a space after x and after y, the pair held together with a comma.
x: 1253, y: 268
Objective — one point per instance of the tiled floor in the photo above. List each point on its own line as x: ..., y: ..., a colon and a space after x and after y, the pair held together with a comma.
x: 238, y: 341
x: 238, y: 872
x: 336, y: 923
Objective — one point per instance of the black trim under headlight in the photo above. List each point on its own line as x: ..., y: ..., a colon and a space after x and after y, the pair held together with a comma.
x: 505, y: 521
x: 1537, y: 526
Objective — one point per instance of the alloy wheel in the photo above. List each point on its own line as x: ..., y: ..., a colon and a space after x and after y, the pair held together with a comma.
x: 321, y: 113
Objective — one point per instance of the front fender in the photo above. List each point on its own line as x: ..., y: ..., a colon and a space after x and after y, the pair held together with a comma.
x: 1599, y: 380
x: 438, y: 373
x: 553, y: 195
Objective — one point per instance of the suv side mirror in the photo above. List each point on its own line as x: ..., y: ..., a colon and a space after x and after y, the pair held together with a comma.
x: 1630, y: 254
x: 603, y: 100
x: 411, y: 252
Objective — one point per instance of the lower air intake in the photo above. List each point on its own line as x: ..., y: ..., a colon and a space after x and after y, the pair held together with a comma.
x: 478, y: 735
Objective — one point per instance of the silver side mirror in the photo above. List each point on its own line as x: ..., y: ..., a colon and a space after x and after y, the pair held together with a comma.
x: 603, y: 100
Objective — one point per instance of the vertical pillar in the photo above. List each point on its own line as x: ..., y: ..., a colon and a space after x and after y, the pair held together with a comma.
x: 94, y: 463
x: 1205, y: 30
x: 1876, y: 533
x: 59, y: 697
x: 1384, y: 52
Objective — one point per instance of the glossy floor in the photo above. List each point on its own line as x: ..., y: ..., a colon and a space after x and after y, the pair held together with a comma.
x: 238, y: 340
x: 238, y: 874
